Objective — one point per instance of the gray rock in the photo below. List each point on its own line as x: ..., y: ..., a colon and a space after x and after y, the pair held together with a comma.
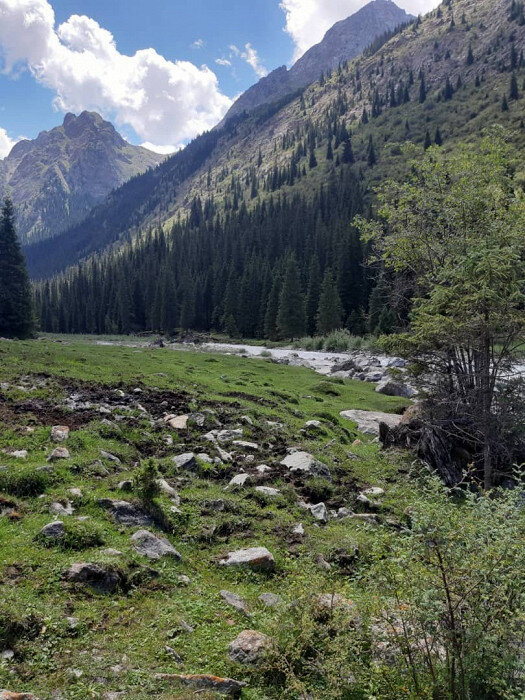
x: 101, y: 578
x: 271, y: 600
x: 320, y: 512
x: 126, y: 513
x: 185, y: 461
x: 390, y: 387
x: 59, y: 433
x: 59, y: 453
x: 235, y: 601
x: 125, y: 486
x: 110, y: 457
x: 8, y: 695
x: 202, y: 682
x: 53, y: 531
x: 368, y: 421
x: 307, y: 464
x: 267, y: 490
x: 169, y: 491
x: 238, y: 481
x: 256, y: 558
x: 249, y: 648
x: 298, y: 530
x: 153, y: 546
x: 64, y: 508
x: 263, y: 468
x: 77, y: 493
x: 246, y: 445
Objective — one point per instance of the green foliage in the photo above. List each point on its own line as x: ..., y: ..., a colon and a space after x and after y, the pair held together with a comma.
x: 77, y: 537
x: 16, y: 306
x: 291, y: 321
x: 24, y: 481
x: 146, y: 481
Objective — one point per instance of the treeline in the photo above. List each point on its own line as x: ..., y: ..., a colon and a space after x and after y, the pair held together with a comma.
x: 288, y: 267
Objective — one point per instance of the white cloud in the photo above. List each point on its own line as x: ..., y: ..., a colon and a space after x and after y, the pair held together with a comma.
x: 6, y: 143
x: 199, y: 44
x: 251, y: 57
x: 165, y: 102
x: 307, y: 21
x: 223, y: 62
x: 163, y: 150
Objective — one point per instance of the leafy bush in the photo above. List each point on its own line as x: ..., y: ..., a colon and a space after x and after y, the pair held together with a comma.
x: 337, y: 341
x: 146, y: 481
x: 15, y: 628
x: 77, y: 536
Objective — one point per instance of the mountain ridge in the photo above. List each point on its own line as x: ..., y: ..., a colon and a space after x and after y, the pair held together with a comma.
x: 56, y: 178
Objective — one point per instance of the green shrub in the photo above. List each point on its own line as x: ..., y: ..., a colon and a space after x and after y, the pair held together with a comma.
x: 15, y: 628
x: 24, y: 482
x: 146, y: 481
x: 77, y: 536
x: 319, y: 489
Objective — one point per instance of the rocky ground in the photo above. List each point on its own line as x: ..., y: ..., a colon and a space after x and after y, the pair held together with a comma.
x: 268, y: 492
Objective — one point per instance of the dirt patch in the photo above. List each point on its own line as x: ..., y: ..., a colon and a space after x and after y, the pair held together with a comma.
x: 41, y: 412
x: 250, y: 397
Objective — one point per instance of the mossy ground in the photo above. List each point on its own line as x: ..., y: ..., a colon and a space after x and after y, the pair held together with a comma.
x: 120, y: 642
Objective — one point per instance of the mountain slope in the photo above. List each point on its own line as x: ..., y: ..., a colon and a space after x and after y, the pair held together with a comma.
x: 56, y: 179
x: 344, y: 41
x: 252, y: 157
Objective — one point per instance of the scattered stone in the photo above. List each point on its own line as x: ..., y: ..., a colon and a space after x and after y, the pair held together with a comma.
x: 249, y: 648
x: 306, y: 464
x: 374, y: 492
x: 101, y: 578
x: 332, y: 601
x: 126, y: 486
x: 298, y: 530
x: 59, y: 453
x: 174, y: 655
x: 185, y: 461
x: 126, y: 513
x: 59, y: 433
x: 256, y: 558
x: 319, y: 512
x: 224, y: 435
x: 390, y: 387
x: 267, y: 490
x: 177, y: 422
x: 184, y: 580
x: 202, y: 682
x: 169, y: 491
x: 246, y: 445
x: 110, y: 552
x: 238, y: 481
x: 109, y: 456
x: 368, y: 422
x: 8, y: 695
x: 72, y: 623
x: 153, y: 546
x: 53, y: 531
x: 77, y: 493
x: 263, y: 468
x: 321, y: 563
x: 18, y: 454
x: 235, y: 601
x: 246, y: 419
x: 205, y: 458
x: 271, y: 600
x: 63, y: 508
x: 7, y: 655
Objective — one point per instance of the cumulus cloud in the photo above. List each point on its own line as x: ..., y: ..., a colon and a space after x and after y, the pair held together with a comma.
x: 199, y: 44
x: 223, y: 62
x: 251, y: 57
x: 307, y: 21
x: 163, y: 150
x: 6, y: 143
x: 165, y: 102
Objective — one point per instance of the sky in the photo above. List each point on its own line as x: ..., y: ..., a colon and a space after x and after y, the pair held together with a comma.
x: 162, y: 71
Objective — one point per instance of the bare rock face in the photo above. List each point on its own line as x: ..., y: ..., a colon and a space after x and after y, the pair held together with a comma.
x: 344, y: 41
x: 256, y: 558
x: 58, y: 177
x: 249, y: 648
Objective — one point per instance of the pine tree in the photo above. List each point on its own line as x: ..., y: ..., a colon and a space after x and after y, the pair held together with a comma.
x: 329, y: 150
x: 449, y: 90
x: 422, y: 89
x: 312, y: 296
x: 470, y: 56
x: 272, y: 309
x: 438, y: 138
x: 514, y: 93
x: 291, y: 320
x: 504, y: 104
x: 348, y: 154
x: 428, y: 141
x: 330, y: 312
x: 313, y: 160
x: 371, y: 154
x: 16, y: 308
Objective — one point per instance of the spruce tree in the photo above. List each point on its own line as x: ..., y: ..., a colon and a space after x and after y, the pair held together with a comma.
x: 330, y: 312
x: 291, y: 318
x: 312, y: 296
x: 422, y: 89
x: 348, y: 154
x: 514, y: 91
x: 470, y: 56
x: 438, y: 138
x: 371, y: 154
x: 504, y: 104
x: 16, y: 308
x: 428, y: 141
x: 272, y: 309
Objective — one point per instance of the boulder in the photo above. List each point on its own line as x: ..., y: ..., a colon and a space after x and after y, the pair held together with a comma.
x: 110, y: 457
x: 53, y: 531
x: 103, y: 579
x: 185, y: 461
x: 177, y: 422
x: 391, y: 387
x: 238, y: 480
x: 153, y: 546
x: 126, y: 513
x: 18, y: 454
x: 246, y: 445
x: 203, y: 682
x: 59, y: 433
x: 63, y: 508
x: 271, y: 600
x: 307, y: 464
x: 59, y: 453
x: 256, y: 558
x: 235, y: 601
x: 368, y: 422
x: 319, y: 512
x: 267, y: 490
x: 8, y: 695
x: 169, y: 491
x: 249, y: 648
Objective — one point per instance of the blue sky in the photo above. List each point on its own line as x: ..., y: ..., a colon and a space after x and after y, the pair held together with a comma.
x: 162, y: 70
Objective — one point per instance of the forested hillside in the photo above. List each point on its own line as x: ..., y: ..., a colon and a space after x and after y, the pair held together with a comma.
x: 265, y: 203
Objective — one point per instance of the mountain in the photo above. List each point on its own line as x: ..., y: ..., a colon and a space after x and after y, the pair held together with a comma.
x: 58, y: 177
x: 344, y: 41
x: 285, y: 179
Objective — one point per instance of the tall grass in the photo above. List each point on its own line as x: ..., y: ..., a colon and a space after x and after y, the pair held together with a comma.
x: 337, y: 341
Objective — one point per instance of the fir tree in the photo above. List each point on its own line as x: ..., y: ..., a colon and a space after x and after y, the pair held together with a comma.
x: 422, y: 89
x: 329, y: 150
x: 470, y: 56
x: 272, y: 309
x: 504, y: 104
x: 449, y: 90
x: 312, y: 296
x: 371, y: 154
x: 313, y: 160
x: 438, y: 138
x: 291, y: 321
x: 428, y: 141
x: 514, y: 91
x: 348, y: 154
x: 330, y: 312
x: 16, y: 309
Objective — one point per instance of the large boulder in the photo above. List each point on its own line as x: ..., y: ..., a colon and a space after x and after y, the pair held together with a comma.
x: 103, y: 579
x: 153, y: 546
x: 391, y: 387
x: 306, y: 464
x: 256, y: 558
x: 320, y: 512
x: 203, y: 682
x: 185, y: 461
x: 249, y: 648
x: 53, y: 531
x: 368, y: 422
x: 126, y: 513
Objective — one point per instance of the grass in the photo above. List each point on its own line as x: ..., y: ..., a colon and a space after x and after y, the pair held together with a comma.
x: 119, y: 643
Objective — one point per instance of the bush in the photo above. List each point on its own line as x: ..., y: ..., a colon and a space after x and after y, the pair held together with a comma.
x: 146, y: 481
x: 24, y: 482
x: 77, y: 536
